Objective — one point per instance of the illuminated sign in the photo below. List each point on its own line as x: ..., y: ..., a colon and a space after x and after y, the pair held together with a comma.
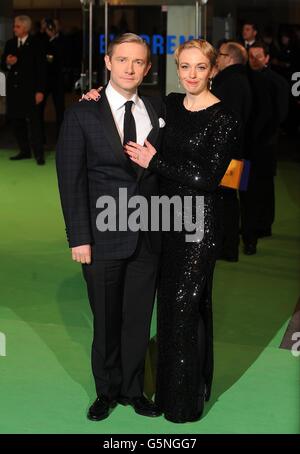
x: 159, y: 44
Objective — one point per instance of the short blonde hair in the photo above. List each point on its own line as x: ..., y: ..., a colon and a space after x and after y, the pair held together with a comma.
x: 25, y: 20
x: 204, y: 46
x: 128, y: 38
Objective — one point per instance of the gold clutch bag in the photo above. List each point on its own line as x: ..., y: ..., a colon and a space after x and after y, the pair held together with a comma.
x: 233, y: 174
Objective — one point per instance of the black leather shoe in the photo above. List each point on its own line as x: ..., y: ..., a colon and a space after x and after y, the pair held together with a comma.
x: 101, y: 408
x: 250, y: 249
x: 40, y: 161
x: 141, y: 405
x: 20, y: 156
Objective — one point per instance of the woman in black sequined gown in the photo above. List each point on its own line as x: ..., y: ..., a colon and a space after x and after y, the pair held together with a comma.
x: 199, y: 141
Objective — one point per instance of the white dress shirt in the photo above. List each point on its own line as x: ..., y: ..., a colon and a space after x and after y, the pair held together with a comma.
x: 139, y: 111
x: 21, y: 41
x: 249, y: 43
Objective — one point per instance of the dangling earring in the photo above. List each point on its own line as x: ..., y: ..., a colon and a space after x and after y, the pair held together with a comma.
x: 210, y: 84
x: 179, y: 85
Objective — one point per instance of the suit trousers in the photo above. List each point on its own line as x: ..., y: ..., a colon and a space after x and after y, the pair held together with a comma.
x: 257, y: 207
x: 121, y: 294
x: 58, y: 97
x: 28, y: 132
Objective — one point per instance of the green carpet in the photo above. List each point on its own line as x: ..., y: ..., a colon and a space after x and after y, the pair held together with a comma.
x: 45, y: 378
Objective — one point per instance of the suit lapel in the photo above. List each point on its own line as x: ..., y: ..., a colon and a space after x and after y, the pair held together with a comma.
x: 153, y: 134
x: 112, y: 134
x: 15, y: 45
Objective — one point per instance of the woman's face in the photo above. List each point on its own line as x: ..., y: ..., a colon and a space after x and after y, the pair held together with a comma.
x: 194, y: 70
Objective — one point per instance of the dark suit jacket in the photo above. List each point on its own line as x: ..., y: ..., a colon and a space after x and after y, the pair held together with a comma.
x: 55, y: 48
x: 26, y: 77
x: 280, y: 95
x: 233, y: 88
x: 262, y: 126
x: 91, y: 163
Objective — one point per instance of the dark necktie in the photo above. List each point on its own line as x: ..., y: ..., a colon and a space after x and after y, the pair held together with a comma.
x: 129, y: 128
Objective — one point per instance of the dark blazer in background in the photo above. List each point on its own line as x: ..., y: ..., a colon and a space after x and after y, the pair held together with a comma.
x: 26, y: 77
x: 233, y: 88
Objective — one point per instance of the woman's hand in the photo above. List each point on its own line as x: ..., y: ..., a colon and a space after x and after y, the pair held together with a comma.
x: 140, y: 155
x: 92, y: 95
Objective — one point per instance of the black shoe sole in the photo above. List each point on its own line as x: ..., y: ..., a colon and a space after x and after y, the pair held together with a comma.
x: 98, y: 418
x: 112, y: 405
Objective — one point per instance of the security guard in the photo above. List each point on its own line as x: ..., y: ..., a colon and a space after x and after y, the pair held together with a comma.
x: 24, y: 61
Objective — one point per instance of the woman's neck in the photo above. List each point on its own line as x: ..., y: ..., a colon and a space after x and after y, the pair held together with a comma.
x: 199, y: 101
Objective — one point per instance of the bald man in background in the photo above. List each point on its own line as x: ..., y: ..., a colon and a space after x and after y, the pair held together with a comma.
x: 231, y: 85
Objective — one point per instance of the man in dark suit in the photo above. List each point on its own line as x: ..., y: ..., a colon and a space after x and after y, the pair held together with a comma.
x: 120, y: 267
x: 25, y: 63
x: 249, y: 34
x: 279, y: 91
x: 54, y: 81
x: 231, y: 85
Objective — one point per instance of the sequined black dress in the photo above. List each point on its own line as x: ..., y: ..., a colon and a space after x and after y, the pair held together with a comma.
x: 197, y: 149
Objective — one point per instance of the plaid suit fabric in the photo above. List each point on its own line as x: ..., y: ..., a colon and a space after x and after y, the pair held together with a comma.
x: 88, y: 168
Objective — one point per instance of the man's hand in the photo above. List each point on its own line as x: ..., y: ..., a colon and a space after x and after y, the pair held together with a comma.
x: 11, y: 60
x: 82, y: 254
x: 39, y: 97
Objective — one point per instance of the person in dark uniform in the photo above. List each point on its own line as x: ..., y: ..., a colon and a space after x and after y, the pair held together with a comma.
x: 249, y: 34
x: 259, y: 58
x: 54, y: 80
x: 25, y: 64
x: 231, y: 85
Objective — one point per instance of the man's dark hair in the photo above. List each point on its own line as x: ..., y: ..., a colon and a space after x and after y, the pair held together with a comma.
x: 253, y: 24
x: 262, y: 45
x: 50, y: 24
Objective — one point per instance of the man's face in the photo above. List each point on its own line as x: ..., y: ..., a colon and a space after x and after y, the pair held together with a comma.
x: 249, y: 34
x: 128, y: 66
x: 20, y: 29
x: 257, y: 58
x: 223, y: 59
